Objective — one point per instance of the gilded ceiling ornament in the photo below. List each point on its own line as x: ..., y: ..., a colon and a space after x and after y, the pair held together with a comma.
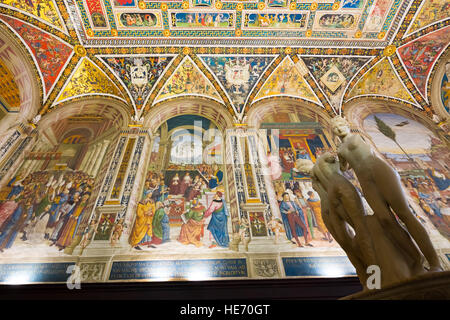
x: 288, y: 50
x: 293, y: 5
x: 239, y: 7
x: 314, y: 6
x: 80, y: 51
x: 389, y: 50
x: 308, y: 33
x: 166, y: 33
x: 142, y: 5
x: 164, y: 6
x: 186, y: 50
x: 358, y: 34
x: 238, y: 33
x: 185, y: 5
x: 336, y: 5
x: 114, y: 32
x: 381, y: 35
x: 261, y: 5
x: 90, y: 32
x: 219, y: 5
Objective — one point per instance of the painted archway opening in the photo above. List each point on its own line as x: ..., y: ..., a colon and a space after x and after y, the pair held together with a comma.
x: 64, y: 169
x: 184, y: 184
x: 20, y: 89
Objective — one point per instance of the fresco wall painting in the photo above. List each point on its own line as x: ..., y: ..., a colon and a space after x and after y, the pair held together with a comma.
x: 422, y: 162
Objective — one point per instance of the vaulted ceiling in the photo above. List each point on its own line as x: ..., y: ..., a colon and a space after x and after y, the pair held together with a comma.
x: 144, y: 53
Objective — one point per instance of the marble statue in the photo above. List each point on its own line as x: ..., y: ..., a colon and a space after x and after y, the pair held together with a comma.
x: 381, y: 187
x: 387, y: 238
x: 342, y: 211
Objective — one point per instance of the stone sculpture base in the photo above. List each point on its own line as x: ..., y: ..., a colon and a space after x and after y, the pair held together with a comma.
x: 430, y: 286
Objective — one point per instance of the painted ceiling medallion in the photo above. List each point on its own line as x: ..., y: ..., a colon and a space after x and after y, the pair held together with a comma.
x: 389, y: 50
x: 333, y: 79
x: 80, y: 51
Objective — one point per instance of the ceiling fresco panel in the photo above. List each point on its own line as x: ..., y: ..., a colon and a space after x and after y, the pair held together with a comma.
x: 381, y: 80
x: 420, y: 55
x: 351, y: 21
x: 188, y: 80
x: 286, y: 81
x: 333, y: 74
x: 238, y: 74
x: 138, y: 74
x: 43, y: 9
x: 50, y: 54
x: 88, y: 79
x: 431, y: 11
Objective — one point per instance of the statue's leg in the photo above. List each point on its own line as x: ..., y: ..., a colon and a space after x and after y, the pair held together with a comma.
x: 374, y: 195
x: 396, y: 198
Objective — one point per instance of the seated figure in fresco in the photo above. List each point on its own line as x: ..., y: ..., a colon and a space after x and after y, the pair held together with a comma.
x: 192, y: 229
x: 141, y: 233
x: 194, y: 189
x: 215, y: 178
x: 174, y: 187
x: 185, y: 183
x: 294, y: 220
x: 374, y: 174
x: 160, y: 225
x: 218, y: 223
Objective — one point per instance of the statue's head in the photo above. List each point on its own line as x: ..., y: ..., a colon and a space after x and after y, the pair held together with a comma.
x: 340, y: 126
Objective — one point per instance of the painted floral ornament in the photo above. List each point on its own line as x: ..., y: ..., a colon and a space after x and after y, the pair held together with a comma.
x: 80, y: 51
x: 389, y: 50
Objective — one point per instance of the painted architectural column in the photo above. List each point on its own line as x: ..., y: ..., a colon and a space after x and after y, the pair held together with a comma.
x: 86, y: 157
x: 100, y: 156
x: 91, y: 157
x: 12, y: 161
x: 120, y: 189
x: 10, y: 141
x: 95, y: 154
x: 252, y: 188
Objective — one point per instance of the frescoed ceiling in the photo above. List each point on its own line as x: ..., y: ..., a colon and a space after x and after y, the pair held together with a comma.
x: 145, y: 52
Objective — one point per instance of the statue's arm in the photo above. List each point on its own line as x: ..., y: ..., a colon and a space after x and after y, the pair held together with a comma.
x: 420, y: 236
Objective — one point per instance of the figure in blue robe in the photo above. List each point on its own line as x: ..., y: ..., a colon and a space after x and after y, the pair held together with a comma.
x: 215, y: 179
x: 15, y: 224
x: 55, y: 207
x: 441, y: 183
x: 218, y: 223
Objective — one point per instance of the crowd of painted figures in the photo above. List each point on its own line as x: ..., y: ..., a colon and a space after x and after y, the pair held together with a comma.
x: 183, y: 198
x: 45, y: 206
x: 300, y: 217
x: 431, y: 193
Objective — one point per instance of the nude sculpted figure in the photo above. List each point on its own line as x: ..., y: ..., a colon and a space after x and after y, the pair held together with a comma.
x: 388, y: 237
